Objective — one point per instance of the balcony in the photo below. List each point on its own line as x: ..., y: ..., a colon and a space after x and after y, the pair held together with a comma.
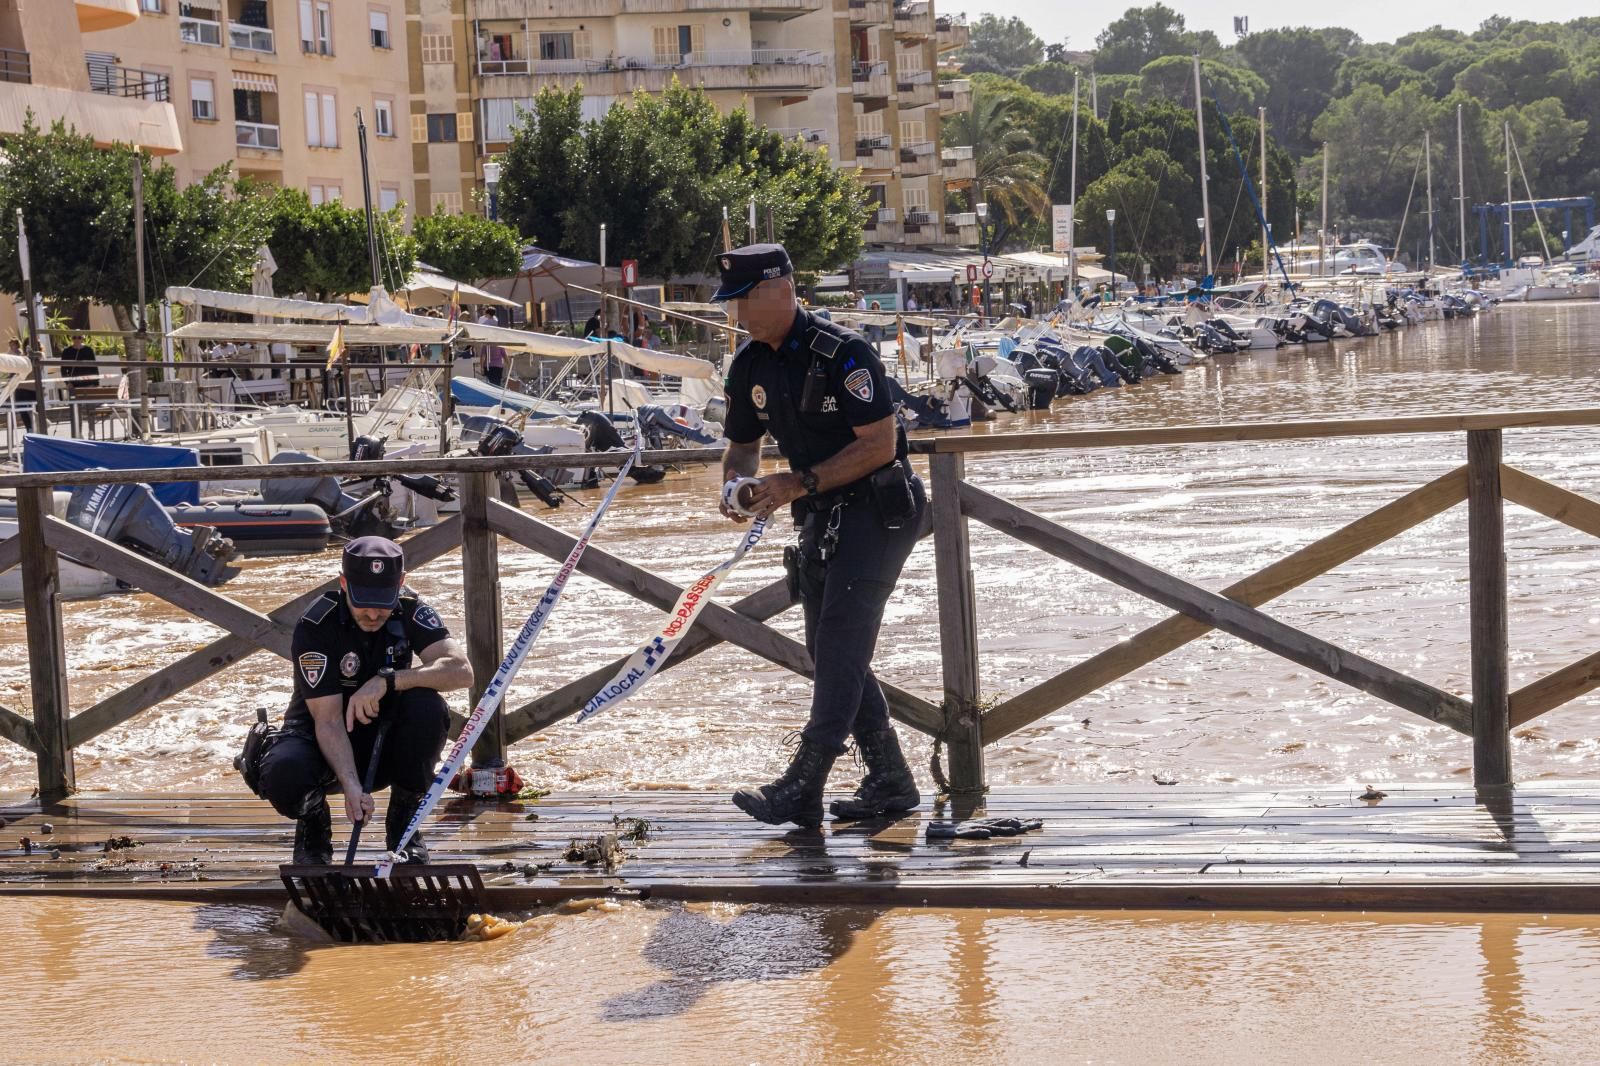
x: 250, y: 38
x: 955, y: 96
x: 881, y: 226
x: 16, y: 65
x: 785, y: 70
x: 812, y: 138
x: 918, y: 160
x: 870, y: 12
x: 110, y: 79
x: 257, y: 135
x: 870, y: 82
x: 96, y: 15
x: 963, y: 226
x: 951, y: 32
x: 959, y: 165
x: 913, y: 19
x: 921, y: 227
x: 759, y: 10
x: 916, y: 88
x: 875, y: 152
x: 199, y: 24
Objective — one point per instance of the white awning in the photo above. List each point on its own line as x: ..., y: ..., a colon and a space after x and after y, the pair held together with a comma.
x: 250, y: 81
x: 310, y: 333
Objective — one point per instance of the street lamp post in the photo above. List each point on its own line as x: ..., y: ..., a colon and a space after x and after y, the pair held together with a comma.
x: 1111, y: 221
x: 983, y: 248
x: 491, y: 179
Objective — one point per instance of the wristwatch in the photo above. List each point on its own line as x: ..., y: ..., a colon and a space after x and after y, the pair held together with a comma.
x: 387, y: 673
x: 808, y: 478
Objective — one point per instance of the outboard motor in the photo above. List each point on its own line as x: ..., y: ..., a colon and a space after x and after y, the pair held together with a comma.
x: 130, y: 515
x: 1123, y: 359
x: 1042, y: 383
x: 600, y: 435
x: 350, y: 516
x: 503, y: 440
x: 1153, y: 355
x: 1090, y: 356
x: 659, y: 425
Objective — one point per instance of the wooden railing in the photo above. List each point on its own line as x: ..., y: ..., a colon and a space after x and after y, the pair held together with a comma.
x: 959, y: 720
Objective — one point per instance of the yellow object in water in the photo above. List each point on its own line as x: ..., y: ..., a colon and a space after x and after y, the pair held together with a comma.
x: 488, y: 927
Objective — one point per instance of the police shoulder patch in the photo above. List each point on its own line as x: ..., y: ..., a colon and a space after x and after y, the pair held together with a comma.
x: 859, y: 384
x: 320, y: 607
x: 426, y: 617
x: 313, y: 665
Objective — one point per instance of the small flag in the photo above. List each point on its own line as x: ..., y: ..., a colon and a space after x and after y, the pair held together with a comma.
x: 336, y: 346
x: 455, y: 307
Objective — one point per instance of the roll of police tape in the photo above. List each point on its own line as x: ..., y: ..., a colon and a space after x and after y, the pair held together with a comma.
x: 732, y: 492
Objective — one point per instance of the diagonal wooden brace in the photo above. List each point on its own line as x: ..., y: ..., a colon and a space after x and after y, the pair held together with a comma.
x: 18, y: 730
x: 1219, y: 612
x: 1170, y: 634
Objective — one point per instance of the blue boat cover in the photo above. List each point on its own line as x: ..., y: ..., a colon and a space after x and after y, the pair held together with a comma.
x: 472, y: 392
x: 40, y: 453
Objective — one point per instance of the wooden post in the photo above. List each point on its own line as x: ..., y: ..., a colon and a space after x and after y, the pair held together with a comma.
x: 480, y: 580
x: 958, y: 627
x: 47, y: 656
x: 1491, y: 715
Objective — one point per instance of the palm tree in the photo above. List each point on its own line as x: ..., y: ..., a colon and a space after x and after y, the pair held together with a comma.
x: 1010, y: 172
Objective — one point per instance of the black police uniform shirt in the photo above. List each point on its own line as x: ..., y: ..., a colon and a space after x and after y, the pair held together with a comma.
x: 333, y: 656
x: 764, y: 388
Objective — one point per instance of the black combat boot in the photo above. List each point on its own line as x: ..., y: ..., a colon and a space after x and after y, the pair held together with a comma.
x: 888, y: 787
x: 402, y: 805
x: 313, y: 836
x: 797, y: 795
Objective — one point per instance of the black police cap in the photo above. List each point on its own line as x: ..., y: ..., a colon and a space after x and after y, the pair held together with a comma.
x: 745, y: 268
x: 373, y: 569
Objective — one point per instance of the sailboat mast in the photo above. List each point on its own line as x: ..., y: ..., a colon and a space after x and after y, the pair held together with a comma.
x: 1322, y: 234
x: 1427, y: 155
x: 1072, y: 197
x: 1261, y: 116
x: 1205, y: 191
x: 1461, y: 184
x: 1511, y: 254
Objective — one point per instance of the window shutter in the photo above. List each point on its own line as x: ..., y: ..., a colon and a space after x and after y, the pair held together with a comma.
x: 419, y: 129
x: 308, y: 35
x: 581, y: 45
x: 664, y: 41
x: 697, y: 41
x: 313, y: 121
x: 464, y: 126
x: 330, y: 121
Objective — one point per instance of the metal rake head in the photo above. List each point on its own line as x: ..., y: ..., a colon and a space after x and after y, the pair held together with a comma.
x: 412, y: 904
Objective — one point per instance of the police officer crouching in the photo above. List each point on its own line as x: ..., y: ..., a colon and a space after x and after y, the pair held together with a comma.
x: 819, y: 390
x: 352, y: 660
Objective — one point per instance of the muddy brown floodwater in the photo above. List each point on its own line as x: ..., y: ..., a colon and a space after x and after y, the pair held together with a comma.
x: 160, y: 982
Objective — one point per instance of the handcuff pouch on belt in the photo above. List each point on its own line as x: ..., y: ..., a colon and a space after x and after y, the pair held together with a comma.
x: 257, y: 742
x: 891, y: 491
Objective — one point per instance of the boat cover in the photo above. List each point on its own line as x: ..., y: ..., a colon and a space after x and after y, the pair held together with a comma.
x: 40, y: 453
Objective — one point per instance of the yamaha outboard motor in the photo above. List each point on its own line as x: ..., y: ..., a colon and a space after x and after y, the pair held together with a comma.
x: 503, y: 440
x: 130, y: 515
x: 601, y: 436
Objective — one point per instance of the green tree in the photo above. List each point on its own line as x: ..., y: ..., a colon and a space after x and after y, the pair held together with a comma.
x: 77, y: 203
x: 1146, y: 33
x: 1000, y: 46
x: 321, y: 250
x: 1172, y: 78
x: 1010, y: 171
x: 1050, y: 78
x: 540, y: 173
x: 1299, y: 67
x: 467, y: 246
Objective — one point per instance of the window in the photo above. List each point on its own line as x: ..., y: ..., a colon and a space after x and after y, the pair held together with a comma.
x: 870, y: 125
x: 448, y: 203
x: 378, y: 21
x: 916, y: 198
x: 438, y: 48
x: 383, y: 117
x: 556, y: 46
x: 909, y: 62
x: 325, y: 192
x: 152, y: 7
x: 388, y: 197
x: 316, y: 27
x: 322, y: 120
x: 673, y: 45
x: 203, y: 99
x: 441, y: 129
x: 419, y: 129
x: 913, y: 131
x: 464, y: 126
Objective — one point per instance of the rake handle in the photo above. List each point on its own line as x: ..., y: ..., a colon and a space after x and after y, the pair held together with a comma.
x: 366, y: 787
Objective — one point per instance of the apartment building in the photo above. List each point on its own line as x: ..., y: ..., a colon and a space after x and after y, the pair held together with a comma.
x: 273, y: 86
x: 49, y: 66
x: 854, y: 77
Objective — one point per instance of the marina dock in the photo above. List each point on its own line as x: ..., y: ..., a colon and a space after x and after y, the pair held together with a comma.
x: 1424, y: 847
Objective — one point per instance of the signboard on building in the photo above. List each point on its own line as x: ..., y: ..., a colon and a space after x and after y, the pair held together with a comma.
x: 1061, y: 228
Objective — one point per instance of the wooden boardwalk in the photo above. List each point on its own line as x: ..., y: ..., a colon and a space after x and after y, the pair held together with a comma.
x: 1418, y: 848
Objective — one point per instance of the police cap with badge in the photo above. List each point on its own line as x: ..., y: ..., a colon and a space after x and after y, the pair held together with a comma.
x: 745, y: 268
x: 374, y: 568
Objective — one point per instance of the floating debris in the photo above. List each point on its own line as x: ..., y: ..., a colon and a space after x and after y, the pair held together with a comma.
x: 531, y: 794
x: 579, y: 906
x: 1163, y: 779
x: 1372, y: 795
x: 26, y: 844
x: 635, y: 829
x: 603, y: 850
x: 488, y: 927
x: 46, y: 828
x: 121, y: 843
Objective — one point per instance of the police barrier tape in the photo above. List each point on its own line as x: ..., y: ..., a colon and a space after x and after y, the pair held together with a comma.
x: 643, y: 664
x: 495, y: 692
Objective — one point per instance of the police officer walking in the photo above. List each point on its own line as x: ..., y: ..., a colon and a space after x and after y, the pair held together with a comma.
x: 819, y: 390
x: 353, y: 676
